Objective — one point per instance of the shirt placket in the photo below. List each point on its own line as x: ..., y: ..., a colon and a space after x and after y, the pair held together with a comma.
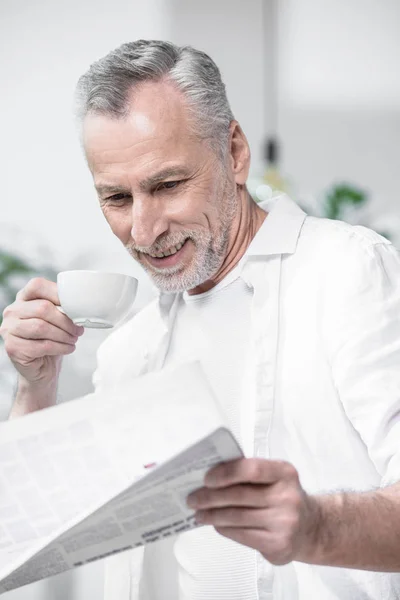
x: 264, y: 278
x: 168, y: 307
x: 154, y: 359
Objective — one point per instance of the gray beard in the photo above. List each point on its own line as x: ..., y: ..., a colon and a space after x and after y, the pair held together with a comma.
x: 208, y: 258
x: 206, y: 263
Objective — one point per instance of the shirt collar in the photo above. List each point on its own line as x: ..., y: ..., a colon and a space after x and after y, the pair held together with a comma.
x: 280, y: 231
x: 278, y: 234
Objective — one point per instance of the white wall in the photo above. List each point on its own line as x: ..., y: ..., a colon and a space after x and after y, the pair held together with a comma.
x: 339, y: 97
x: 340, y: 54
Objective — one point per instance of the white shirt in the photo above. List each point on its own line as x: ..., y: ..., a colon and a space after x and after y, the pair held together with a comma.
x: 325, y: 343
x: 214, y: 328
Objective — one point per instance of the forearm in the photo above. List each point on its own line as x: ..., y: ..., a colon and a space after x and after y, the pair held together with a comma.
x: 358, y: 530
x: 31, y: 397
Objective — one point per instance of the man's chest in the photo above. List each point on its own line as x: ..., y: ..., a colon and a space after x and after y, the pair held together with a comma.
x: 219, y: 337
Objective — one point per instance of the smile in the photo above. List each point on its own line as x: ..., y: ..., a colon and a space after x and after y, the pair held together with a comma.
x: 172, y: 250
x: 169, y: 258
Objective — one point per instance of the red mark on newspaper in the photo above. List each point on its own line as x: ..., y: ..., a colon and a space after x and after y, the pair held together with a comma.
x: 150, y: 465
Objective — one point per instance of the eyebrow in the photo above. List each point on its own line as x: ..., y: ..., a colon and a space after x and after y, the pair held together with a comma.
x: 146, y: 183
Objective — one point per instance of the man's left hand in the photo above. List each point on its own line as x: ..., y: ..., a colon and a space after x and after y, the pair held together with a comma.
x: 261, y: 504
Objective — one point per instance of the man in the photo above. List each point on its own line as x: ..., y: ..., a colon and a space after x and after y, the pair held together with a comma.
x: 295, y: 320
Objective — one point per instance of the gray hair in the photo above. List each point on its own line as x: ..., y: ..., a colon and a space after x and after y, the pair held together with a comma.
x: 105, y: 88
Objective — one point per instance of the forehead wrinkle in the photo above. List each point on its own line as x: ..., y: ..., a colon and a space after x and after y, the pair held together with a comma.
x: 135, y: 138
x: 138, y: 155
x: 110, y: 156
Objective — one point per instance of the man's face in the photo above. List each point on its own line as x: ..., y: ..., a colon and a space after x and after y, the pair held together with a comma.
x: 164, y: 192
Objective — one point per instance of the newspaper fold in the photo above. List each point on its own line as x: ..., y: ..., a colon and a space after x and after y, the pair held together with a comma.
x: 100, y: 475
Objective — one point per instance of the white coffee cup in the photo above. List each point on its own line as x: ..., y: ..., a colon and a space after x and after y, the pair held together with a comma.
x: 96, y: 299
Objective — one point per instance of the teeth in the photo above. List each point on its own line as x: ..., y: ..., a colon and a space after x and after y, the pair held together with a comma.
x: 172, y: 250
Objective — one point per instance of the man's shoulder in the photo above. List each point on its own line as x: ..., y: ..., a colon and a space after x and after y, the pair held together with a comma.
x: 343, y: 256
x: 330, y: 242
x: 329, y: 232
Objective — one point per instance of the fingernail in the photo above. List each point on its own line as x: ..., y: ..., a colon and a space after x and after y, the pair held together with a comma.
x: 199, y: 516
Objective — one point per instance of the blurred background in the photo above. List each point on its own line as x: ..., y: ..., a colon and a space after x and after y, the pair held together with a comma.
x: 315, y: 85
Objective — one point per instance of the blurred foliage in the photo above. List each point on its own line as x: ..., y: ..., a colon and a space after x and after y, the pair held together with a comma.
x: 340, y: 197
x: 341, y: 201
x: 14, y: 273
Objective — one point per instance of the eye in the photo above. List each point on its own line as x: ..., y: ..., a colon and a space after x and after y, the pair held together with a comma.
x: 118, y: 198
x: 168, y: 185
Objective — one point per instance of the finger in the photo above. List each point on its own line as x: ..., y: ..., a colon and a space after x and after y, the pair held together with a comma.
x: 47, y: 311
x: 271, y: 546
x: 37, y: 329
x: 25, y: 351
x: 248, y: 470
x: 253, y: 538
x: 233, y: 517
x: 39, y: 288
x: 235, y: 495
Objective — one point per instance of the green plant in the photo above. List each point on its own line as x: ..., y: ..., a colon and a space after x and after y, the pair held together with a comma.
x: 340, y: 197
x: 14, y: 271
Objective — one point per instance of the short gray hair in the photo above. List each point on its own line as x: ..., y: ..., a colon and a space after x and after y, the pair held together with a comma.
x: 105, y: 88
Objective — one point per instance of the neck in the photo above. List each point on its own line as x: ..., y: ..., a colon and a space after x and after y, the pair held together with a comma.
x: 247, y: 222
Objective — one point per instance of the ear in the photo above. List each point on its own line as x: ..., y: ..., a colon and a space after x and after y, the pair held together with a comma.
x: 239, y: 156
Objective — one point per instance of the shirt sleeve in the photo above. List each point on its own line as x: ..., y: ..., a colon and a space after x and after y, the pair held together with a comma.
x: 362, y: 331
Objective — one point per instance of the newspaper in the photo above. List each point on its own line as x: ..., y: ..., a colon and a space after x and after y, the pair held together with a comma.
x: 98, y: 475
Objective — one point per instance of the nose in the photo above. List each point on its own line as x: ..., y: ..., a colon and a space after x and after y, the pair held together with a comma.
x: 148, y: 221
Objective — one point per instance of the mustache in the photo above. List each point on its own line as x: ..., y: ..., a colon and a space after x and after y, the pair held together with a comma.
x: 163, y: 245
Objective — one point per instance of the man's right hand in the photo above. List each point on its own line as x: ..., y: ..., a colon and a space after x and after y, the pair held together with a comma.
x: 37, y: 334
